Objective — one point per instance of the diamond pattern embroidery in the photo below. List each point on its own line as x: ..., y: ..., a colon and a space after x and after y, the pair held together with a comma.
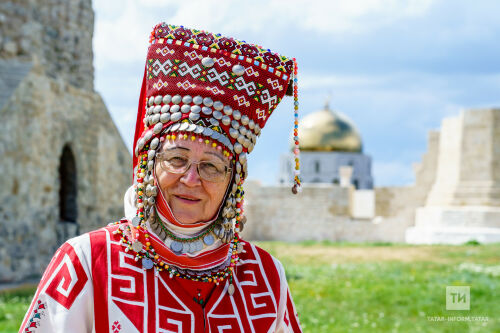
x: 266, y: 97
x: 164, y: 51
x: 241, y: 100
x: 160, y: 84
x: 223, y: 77
x: 223, y: 62
x: 194, y: 71
x: 275, y: 84
x: 215, y: 90
x: 241, y: 84
x: 261, y: 114
x: 250, y: 71
x: 159, y: 67
x: 192, y: 55
x: 186, y: 85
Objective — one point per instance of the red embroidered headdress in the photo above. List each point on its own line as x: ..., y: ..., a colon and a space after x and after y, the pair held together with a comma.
x: 218, y: 90
x: 197, y: 77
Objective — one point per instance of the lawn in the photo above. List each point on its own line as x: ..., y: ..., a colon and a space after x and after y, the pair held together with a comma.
x: 369, y: 288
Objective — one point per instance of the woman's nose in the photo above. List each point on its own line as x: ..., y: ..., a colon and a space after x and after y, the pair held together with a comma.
x: 191, y: 177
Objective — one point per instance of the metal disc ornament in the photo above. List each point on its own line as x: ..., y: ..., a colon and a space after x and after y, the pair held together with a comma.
x: 137, y: 246
x: 208, y: 239
x: 147, y: 263
x: 135, y: 221
x: 239, y: 247
x: 230, y: 289
x: 198, y: 245
x: 176, y: 246
x: 192, y: 248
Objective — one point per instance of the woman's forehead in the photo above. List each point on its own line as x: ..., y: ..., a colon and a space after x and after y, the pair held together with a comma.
x: 195, y: 147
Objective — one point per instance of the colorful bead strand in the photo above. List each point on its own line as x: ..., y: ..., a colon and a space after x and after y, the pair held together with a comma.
x: 296, y: 186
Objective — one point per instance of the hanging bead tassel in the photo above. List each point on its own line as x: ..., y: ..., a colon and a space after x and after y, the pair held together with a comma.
x: 296, y: 152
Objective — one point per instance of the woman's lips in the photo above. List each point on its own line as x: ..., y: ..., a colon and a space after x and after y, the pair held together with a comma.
x: 187, y: 199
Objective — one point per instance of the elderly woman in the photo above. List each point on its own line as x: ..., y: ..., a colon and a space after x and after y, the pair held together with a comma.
x: 176, y: 262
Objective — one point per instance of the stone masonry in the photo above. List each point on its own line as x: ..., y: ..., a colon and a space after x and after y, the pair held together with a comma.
x: 64, y: 165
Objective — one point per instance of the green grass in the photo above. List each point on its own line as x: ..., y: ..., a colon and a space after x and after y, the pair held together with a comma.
x: 13, y: 306
x: 379, y: 287
x: 390, y: 288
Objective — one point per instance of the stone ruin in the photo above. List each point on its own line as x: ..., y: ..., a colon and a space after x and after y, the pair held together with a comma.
x: 64, y: 165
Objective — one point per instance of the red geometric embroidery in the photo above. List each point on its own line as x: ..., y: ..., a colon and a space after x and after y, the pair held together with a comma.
x: 116, y: 327
x: 34, y: 321
x: 127, y: 285
x: 68, y: 279
x: 174, y: 315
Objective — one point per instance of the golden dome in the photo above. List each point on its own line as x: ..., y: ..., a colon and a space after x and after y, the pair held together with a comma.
x: 327, y: 130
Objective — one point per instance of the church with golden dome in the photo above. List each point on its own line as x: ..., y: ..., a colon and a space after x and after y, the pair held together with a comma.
x: 329, y: 141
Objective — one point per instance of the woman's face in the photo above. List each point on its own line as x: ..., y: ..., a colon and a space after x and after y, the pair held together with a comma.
x: 191, y: 198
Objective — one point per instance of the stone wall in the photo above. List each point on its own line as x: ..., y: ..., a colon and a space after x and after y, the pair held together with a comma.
x: 464, y: 204
x: 57, y: 33
x: 325, y: 211
x: 41, y: 117
x: 320, y: 212
x: 468, y: 168
x: 400, y: 202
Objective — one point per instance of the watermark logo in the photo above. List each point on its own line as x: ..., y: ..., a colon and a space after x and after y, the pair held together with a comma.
x: 458, y: 298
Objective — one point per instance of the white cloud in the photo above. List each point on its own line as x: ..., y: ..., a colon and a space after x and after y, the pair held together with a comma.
x: 122, y: 27
x: 357, y: 15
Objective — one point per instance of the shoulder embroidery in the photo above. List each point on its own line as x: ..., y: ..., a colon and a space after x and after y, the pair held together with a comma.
x: 67, y: 277
x: 34, y: 321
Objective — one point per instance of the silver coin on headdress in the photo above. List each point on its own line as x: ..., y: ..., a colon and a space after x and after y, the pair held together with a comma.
x: 187, y: 99
x: 175, y: 127
x: 176, y: 99
x: 176, y: 116
x: 175, y: 108
x: 197, y: 100
x: 194, y: 116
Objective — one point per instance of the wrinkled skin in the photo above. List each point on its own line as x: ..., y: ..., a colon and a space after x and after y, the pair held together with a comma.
x: 191, y: 198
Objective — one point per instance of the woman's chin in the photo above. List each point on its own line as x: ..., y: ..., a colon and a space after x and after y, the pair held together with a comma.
x: 184, y: 218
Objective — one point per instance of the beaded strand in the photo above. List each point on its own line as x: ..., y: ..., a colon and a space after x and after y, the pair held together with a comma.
x: 297, y: 184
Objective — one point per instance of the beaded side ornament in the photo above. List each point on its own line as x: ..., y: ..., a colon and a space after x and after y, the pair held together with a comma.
x: 296, y: 151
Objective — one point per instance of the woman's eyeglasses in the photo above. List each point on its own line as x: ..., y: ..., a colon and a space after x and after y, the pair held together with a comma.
x: 212, y: 171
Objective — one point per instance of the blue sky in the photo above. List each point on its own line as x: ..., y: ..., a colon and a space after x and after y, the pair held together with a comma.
x: 395, y: 67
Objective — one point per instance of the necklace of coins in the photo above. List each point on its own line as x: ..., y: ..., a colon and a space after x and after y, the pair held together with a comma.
x: 149, y: 258
x: 184, y: 245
